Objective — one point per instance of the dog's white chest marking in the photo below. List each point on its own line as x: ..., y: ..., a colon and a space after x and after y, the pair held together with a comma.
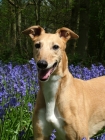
x: 49, y: 90
x: 51, y: 118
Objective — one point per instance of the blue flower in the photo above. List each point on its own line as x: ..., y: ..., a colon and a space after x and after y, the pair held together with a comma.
x: 13, y: 102
x: 20, y: 134
x: 6, y: 105
x: 53, y: 136
x: 84, y: 139
x: 102, y: 137
x: 30, y: 107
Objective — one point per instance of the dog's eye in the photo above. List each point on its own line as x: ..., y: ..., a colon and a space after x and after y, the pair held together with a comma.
x: 55, y: 47
x: 37, y: 46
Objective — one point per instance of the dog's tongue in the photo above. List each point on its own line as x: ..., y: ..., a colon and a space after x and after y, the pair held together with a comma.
x: 44, y: 74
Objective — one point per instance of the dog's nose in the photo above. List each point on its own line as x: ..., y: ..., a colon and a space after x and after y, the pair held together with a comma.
x: 42, y: 64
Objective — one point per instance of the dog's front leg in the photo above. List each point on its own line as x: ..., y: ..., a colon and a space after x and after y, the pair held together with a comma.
x: 41, y: 128
x: 37, y: 130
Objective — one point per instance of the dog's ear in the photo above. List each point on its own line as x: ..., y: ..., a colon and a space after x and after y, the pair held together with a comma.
x: 66, y: 34
x: 34, y: 31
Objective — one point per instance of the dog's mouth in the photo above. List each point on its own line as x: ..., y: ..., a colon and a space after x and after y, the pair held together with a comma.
x: 44, y: 74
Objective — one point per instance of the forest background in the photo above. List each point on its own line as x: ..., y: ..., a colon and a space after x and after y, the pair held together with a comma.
x: 85, y: 17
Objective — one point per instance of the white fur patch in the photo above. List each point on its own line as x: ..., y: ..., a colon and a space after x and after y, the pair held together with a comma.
x: 49, y: 117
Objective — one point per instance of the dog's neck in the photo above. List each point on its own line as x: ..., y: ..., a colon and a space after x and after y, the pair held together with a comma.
x: 49, y: 89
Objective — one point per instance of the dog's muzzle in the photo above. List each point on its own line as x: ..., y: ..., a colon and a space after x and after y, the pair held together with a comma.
x: 43, y: 72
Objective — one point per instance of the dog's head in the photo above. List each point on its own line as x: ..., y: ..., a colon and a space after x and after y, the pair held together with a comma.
x: 48, y: 49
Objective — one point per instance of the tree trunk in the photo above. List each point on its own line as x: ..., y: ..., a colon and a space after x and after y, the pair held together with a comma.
x: 83, y: 28
x: 13, y: 29
x: 74, y: 26
x: 18, y: 23
x: 37, y: 4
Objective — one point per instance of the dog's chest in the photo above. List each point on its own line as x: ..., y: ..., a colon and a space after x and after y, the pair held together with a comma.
x: 50, y: 89
x: 51, y: 118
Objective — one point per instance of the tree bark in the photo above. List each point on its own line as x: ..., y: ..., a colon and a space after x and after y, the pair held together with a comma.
x: 18, y: 25
x: 12, y: 28
x: 74, y: 25
x: 83, y: 28
x: 37, y: 4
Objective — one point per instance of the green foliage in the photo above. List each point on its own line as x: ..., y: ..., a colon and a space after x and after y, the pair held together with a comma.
x: 76, y: 59
x: 16, y: 120
x: 17, y: 16
x: 8, y: 56
x: 97, y: 29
